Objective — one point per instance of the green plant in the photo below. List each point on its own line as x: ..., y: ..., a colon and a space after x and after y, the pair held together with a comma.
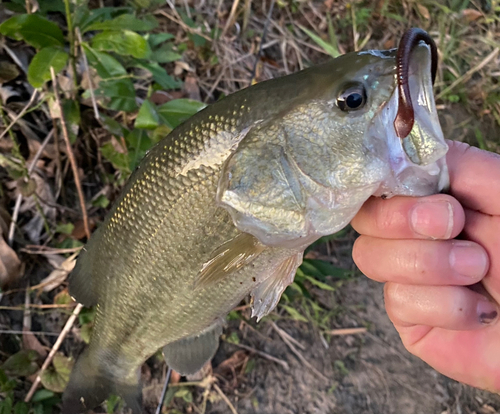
x: 106, y: 52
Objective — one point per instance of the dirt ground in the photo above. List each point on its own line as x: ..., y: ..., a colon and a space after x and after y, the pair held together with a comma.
x: 368, y: 373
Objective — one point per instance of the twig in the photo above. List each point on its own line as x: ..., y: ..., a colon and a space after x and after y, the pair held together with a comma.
x: 71, y: 156
x: 36, y: 306
x: 287, y: 341
x: 34, y: 249
x: 264, y: 32
x: 284, y: 364
x: 290, y: 338
x: 87, y: 71
x: 14, y: 332
x: 226, y: 400
x: 230, y: 18
x: 15, y: 214
x: 17, y: 205
x: 14, y: 57
x: 53, y: 351
x: 20, y: 114
x: 178, y: 19
x: 346, y: 331
x: 469, y: 73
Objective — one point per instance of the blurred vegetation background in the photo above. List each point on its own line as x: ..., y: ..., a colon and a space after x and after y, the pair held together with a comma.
x: 88, y: 86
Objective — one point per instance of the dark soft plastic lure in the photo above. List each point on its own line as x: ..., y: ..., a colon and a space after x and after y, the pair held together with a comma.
x: 225, y: 205
x: 405, y: 117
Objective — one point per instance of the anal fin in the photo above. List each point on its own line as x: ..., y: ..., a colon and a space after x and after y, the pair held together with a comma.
x: 188, y: 355
x: 267, y: 295
x: 230, y: 257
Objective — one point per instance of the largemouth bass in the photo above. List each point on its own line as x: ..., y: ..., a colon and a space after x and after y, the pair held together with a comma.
x: 225, y: 205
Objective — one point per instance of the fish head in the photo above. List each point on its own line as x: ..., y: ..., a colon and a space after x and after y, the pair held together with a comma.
x: 365, y: 125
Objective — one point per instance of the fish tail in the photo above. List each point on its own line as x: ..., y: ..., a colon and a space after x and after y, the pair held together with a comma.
x: 89, y: 386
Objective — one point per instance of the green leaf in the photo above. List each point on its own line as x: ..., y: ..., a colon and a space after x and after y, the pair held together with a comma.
x: 327, y: 47
x: 65, y: 228
x: 185, y: 394
x: 319, y: 284
x: 105, y: 65
x: 34, y: 29
x: 166, y: 54
x: 160, y: 75
x: 42, y: 395
x: 84, y: 17
x: 86, y: 331
x: 125, y: 22
x: 324, y: 268
x: 21, y: 408
x: 156, y: 39
x: 21, y: 364
x: 294, y: 314
x: 101, y: 201
x: 138, y: 143
x: 39, y: 68
x: 159, y: 133
x: 175, y: 112
x: 123, y: 42
x: 147, y: 117
x: 6, y: 405
x: 56, y: 377
x: 112, y: 402
x: 118, y: 159
x: 113, y: 126
x: 233, y: 338
x: 118, y: 95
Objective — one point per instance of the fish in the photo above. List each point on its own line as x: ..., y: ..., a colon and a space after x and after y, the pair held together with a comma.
x: 224, y: 206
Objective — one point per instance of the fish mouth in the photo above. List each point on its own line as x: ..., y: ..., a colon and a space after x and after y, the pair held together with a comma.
x: 405, y: 117
x: 415, y: 142
x: 416, y: 122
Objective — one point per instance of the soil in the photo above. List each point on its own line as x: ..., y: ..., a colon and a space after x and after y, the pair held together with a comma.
x: 369, y: 373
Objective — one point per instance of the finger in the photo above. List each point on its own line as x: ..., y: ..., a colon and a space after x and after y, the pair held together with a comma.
x: 485, y: 230
x: 447, y: 307
x: 470, y: 357
x: 474, y: 177
x: 421, y: 262
x: 438, y: 216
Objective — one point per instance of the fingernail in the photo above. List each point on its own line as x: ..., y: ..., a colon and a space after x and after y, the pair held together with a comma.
x: 487, y: 311
x: 432, y: 219
x: 468, y: 259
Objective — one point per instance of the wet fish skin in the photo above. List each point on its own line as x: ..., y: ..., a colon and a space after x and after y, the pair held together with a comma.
x: 222, y: 207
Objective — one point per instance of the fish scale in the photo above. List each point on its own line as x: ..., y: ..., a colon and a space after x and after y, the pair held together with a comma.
x: 224, y: 207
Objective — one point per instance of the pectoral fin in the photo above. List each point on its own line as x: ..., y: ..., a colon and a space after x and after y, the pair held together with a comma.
x: 267, y: 295
x: 229, y: 257
x: 188, y: 355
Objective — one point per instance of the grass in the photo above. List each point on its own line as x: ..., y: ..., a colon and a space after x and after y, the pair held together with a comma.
x: 126, y: 79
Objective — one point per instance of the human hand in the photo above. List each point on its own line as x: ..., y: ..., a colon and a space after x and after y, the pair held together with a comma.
x: 409, y: 244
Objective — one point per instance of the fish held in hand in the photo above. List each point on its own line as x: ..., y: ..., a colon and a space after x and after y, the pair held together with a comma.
x: 225, y: 205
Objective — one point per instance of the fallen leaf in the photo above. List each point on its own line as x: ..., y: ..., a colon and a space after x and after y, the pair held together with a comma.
x: 8, y: 71
x: 10, y: 265
x: 470, y: 14
x: 31, y: 342
x: 62, y: 267
x: 192, y: 88
x: 233, y: 362
x: 424, y: 11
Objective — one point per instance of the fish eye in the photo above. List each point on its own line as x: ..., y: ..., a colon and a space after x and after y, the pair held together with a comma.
x: 353, y: 98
